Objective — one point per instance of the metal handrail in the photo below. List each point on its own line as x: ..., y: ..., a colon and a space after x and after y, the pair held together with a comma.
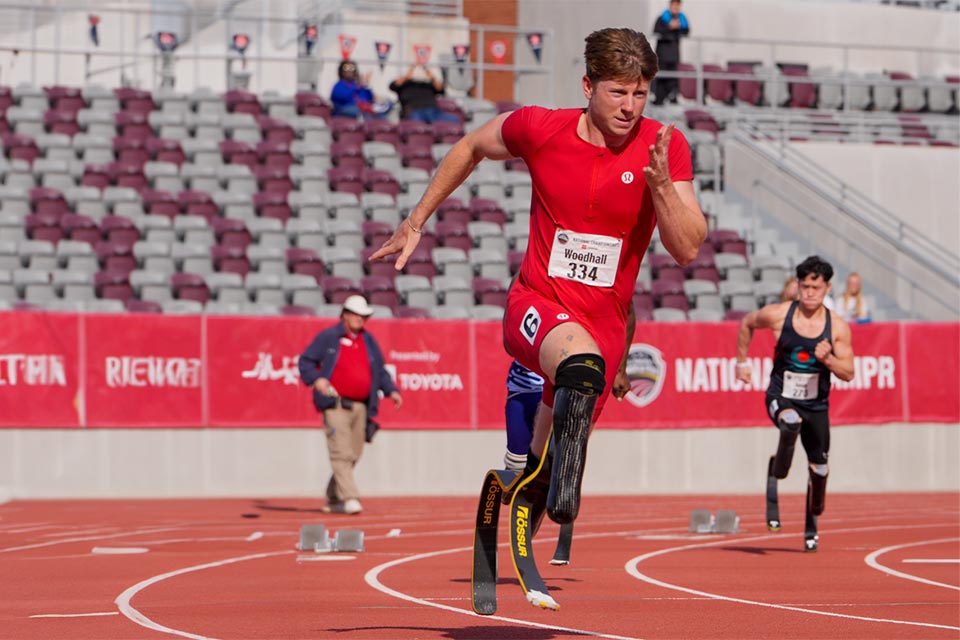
x: 858, y: 206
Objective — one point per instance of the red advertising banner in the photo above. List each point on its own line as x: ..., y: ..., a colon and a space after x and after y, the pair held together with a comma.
x: 40, y: 372
x: 434, y: 366
x: 64, y: 370
x: 253, y: 376
x: 684, y: 375
x: 931, y: 373
x: 144, y: 371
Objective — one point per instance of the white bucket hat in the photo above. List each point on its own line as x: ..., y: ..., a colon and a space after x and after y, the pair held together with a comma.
x: 358, y: 305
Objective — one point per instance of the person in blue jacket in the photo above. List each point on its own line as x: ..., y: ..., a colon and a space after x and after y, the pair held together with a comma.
x: 352, y: 96
x: 670, y: 27
x: 345, y: 367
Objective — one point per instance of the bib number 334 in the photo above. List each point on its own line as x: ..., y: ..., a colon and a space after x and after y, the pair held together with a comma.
x: 586, y: 258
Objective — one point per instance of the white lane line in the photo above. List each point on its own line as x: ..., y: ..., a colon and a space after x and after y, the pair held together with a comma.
x: 119, y: 550
x: 51, y: 543
x: 372, y: 578
x: 75, y: 615
x: 131, y: 612
x: 872, y: 561
x: 631, y: 568
x: 931, y: 561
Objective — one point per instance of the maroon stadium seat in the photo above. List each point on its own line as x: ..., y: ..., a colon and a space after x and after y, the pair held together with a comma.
x: 237, y: 152
x: 161, y: 203
x: 119, y: 229
x: 80, y: 228
x: 239, y: 101
x: 272, y: 204
x: 231, y: 232
x: 162, y: 150
x: 47, y: 201
x: 414, y: 132
x: 273, y: 179
x: 275, y: 130
x: 198, y: 203
x: 133, y: 124
x: 274, y: 153
x: 336, y: 289
x: 113, y: 285
x: 134, y: 100
x: 189, y: 286
x: 57, y: 121
x: 311, y: 104
x: 43, y: 227
x: 380, y: 181
x: 230, y: 259
x: 69, y: 99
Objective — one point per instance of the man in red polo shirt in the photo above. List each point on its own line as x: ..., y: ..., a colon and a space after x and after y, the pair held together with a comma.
x: 603, y: 177
x: 345, y: 367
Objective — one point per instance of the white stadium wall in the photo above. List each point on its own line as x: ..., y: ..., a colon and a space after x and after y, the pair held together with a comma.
x: 884, y: 36
x: 115, y: 463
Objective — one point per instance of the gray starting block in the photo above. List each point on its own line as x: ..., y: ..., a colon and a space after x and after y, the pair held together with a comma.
x: 314, y: 537
x: 702, y: 521
x: 348, y: 540
x: 727, y: 522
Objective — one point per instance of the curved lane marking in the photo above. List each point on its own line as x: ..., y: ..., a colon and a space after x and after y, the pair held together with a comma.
x: 372, y: 578
x: 131, y: 612
x: 631, y: 568
x: 872, y: 561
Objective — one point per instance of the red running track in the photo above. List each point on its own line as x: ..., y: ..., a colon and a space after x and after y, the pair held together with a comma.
x: 887, y: 568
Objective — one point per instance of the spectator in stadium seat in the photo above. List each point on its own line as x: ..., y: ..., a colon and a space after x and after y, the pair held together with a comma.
x: 791, y: 289
x: 345, y: 367
x: 670, y: 27
x: 566, y: 316
x: 352, y: 96
x: 417, y: 93
x: 813, y: 344
x: 853, y: 306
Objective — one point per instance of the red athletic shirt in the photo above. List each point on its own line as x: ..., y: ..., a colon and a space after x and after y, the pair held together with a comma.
x: 351, y: 375
x: 586, y: 189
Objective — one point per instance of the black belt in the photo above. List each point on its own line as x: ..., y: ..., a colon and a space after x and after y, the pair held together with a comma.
x: 347, y: 403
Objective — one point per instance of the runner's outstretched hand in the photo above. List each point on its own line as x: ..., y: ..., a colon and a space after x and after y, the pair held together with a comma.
x: 658, y: 171
x: 403, y: 241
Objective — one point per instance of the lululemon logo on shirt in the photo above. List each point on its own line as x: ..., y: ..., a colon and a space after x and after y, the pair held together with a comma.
x: 530, y: 324
x: 563, y: 316
x: 627, y: 177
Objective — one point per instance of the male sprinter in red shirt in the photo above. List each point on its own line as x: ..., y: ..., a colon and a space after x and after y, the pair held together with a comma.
x: 603, y: 177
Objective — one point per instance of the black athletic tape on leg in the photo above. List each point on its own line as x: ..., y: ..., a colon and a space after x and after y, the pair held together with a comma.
x: 818, y: 492
x: 789, y: 431
x: 584, y: 372
x: 572, y: 416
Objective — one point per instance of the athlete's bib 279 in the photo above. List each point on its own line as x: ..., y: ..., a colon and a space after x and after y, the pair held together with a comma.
x: 800, y: 386
x: 585, y: 257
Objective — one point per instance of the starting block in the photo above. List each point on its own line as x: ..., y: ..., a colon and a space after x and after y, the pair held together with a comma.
x: 727, y: 522
x: 703, y: 521
x: 314, y: 537
x: 348, y: 540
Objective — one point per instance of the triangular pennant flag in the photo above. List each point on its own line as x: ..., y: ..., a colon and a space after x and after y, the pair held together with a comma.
x: 422, y: 53
x: 535, y: 40
x: 461, y: 52
x: 383, y: 52
x: 498, y: 49
x: 347, y: 44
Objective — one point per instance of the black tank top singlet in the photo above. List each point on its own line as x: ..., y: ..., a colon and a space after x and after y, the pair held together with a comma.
x: 797, y: 375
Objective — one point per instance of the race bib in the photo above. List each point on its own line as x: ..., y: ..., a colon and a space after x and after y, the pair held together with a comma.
x: 584, y: 257
x: 800, y: 386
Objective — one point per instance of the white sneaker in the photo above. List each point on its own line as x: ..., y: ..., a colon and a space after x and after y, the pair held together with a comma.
x: 352, y: 506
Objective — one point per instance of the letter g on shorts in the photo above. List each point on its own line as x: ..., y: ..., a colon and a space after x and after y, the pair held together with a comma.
x: 530, y: 324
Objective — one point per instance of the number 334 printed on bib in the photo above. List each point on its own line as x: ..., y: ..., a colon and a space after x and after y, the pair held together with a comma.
x: 584, y: 257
